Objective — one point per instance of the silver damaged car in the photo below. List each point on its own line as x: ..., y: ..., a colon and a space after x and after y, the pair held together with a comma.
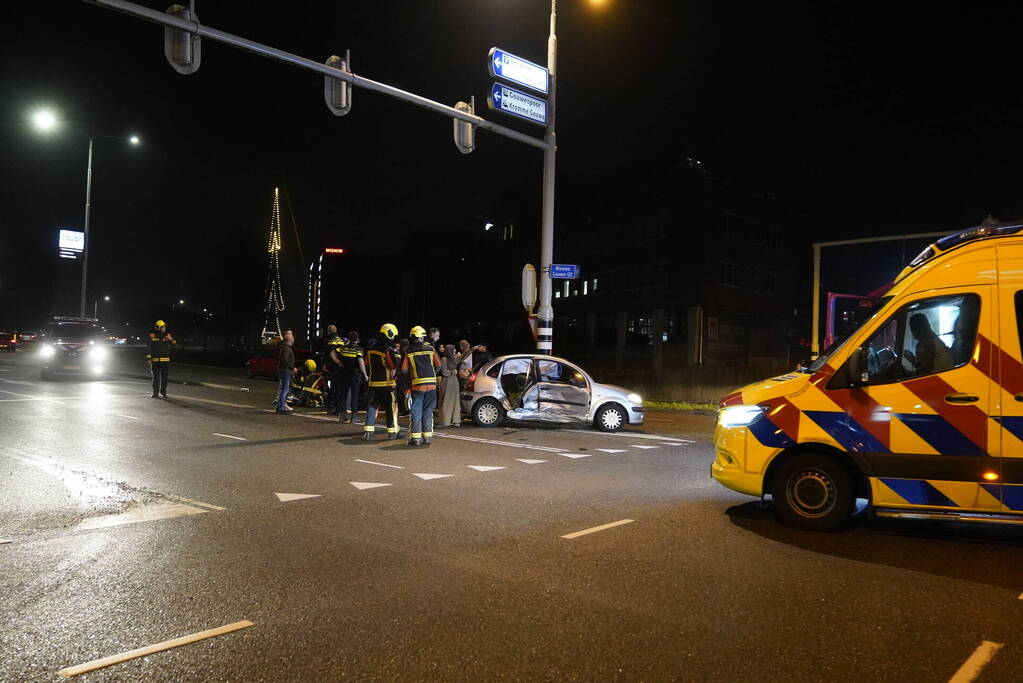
x: 537, y: 388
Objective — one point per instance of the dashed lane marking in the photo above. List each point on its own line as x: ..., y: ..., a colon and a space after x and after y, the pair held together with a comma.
x: 485, y: 468
x: 976, y: 662
x: 673, y: 443
x: 29, y: 397
x: 576, y: 456
x: 630, y: 435
x: 595, y: 529
x: 382, y: 464
x: 216, y: 403
x: 151, y: 649
x: 285, y: 497
x: 646, y: 448
x: 200, y: 503
x: 530, y: 462
x: 128, y: 417
x: 363, y: 485
x: 493, y: 442
x: 228, y: 436
x: 612, y: 451
x: 424, y: 475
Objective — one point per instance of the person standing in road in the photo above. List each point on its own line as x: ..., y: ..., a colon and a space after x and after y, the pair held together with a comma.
x: 402, y: 380
x: 465, y: 361
x: 420, y: 365
x: 481, y: 356
x: 158, y: 358
x: 382, y: 364
x: 332, y: 345
x: 450, y: 410
x: 352, y: 376
x: 434, y: 340
x: 285, y: 371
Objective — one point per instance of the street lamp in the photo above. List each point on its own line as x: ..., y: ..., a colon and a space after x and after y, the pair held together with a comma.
x: 46, y: 121
x: 95, y: 306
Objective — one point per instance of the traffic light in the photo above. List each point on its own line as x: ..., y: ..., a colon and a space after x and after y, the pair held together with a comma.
x: 336, y: 92
x: 182, y: 49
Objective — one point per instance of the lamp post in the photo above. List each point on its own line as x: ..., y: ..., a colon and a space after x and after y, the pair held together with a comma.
x: 545, y: 317
x: 95, y: 306
x: 46, y: 121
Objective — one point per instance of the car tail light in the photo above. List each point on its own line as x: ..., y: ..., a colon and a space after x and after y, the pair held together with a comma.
x: 471, y: 384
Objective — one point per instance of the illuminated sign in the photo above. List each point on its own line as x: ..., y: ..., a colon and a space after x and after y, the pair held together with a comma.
x: 70, y: 243
x: 333, y: 250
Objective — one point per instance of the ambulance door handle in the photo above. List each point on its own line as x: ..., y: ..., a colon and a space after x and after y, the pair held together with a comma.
x: 1019, y: 397
x: 961, y: 398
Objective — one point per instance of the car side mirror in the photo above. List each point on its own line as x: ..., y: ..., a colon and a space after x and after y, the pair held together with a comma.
x: 858, y: 374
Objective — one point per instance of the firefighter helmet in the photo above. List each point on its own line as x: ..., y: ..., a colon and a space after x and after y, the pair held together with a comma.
x: 310, y: 365
x: 160, y: 323
x: 389, y: 330
x: 418, y: 333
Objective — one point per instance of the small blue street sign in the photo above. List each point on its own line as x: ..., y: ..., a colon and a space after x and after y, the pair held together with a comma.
x: 565, y: 271
x: 508, y: 67
x: 517, y: 103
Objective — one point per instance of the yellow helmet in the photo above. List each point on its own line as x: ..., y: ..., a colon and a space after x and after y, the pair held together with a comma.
x: 160, y: 323
x: 310, y: 365
x: 417, y: 332
x: 389, y: 330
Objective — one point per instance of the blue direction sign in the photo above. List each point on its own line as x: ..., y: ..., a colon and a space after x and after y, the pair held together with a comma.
x: 508, y: 67
x: 565, y: 271
x: 517, y: 103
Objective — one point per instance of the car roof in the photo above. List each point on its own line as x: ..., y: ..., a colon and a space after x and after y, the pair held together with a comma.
x: 534, y: 356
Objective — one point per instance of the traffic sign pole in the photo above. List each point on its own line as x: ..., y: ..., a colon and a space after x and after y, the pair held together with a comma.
x: 545, y: 318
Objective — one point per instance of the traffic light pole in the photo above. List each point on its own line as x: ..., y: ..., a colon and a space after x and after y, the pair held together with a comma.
x: 547, y: 143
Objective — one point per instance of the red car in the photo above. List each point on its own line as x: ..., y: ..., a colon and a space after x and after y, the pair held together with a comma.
x: 8, y: 341
x: 264, y: 363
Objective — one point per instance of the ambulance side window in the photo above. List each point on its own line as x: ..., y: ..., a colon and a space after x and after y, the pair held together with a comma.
x: 1019, y: 315
x: 923, y: 338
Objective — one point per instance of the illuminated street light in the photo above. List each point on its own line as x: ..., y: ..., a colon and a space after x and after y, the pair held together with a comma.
x: 181, y: 302
x: 44, y: 120
x: 134, y: 139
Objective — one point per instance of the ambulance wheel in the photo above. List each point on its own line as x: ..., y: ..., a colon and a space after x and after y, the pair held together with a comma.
x: 487, y: 413
x: 813, y: 492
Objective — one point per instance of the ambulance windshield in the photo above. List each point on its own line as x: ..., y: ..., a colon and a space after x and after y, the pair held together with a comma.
x: 850, y: 331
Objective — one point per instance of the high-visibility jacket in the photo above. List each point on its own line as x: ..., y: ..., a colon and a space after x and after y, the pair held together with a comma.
x: 160, y: 344
x: 350, y: 354
x: 379, y: 366
x: 421, y: 363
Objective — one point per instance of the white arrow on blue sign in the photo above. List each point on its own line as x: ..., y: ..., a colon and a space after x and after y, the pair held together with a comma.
x: 508, y: 67
x: 517, y: 103
x: 565, y: 271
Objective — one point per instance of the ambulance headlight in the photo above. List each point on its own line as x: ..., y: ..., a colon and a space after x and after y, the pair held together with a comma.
x: 739, y: 416
x: 46, y: 351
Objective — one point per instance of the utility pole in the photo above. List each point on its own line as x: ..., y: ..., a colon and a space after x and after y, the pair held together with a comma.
x: 85, y: 247
x: 545, y: 319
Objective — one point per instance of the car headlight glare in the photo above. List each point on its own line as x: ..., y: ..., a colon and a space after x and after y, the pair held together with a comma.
x: 46, y: 351
x: 634, y: 398
x: 739, y: 416
x: 98, y: 353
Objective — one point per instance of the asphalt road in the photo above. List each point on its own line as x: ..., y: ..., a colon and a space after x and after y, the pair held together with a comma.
x: 391, y: 571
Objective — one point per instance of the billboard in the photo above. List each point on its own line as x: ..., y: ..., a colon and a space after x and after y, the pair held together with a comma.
x: 70, y: 243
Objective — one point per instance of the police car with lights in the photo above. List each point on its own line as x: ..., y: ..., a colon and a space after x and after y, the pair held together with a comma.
x: 73, y: 345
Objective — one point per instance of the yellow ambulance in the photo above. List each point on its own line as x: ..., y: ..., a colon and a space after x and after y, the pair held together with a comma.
x: 919, y: 411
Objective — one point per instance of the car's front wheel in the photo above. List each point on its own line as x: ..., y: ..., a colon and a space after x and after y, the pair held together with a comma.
x: 487, y: 413
x: 812, y: 491
x: 610, y: 418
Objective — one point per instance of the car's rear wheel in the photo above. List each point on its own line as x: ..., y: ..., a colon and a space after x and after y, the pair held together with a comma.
x: 610, y: 418
x: 487, y: 413
x: 812, y: 491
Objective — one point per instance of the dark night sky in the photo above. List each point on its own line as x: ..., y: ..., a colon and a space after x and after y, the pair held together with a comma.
x: 869, y: 118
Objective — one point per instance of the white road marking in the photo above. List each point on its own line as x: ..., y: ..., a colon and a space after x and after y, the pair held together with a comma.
x: 285, y: 497
x: 492, y: 442
x: 151, y: 649
x: 575, y: 455
x: 530, y: 462
x: 4, y: 541
x: 228, y: 436
x: 200, y: 503
x: 485, y: 468
x: 216, y: 403
x: 129, y: 417
x: 29, y: 397
x: 633, y: 445
x: 673, y: 443
x: 423, y: 475
x: 363, y: 485
x: 611, y: 450
x: 972, y: 667
x: 592, y: 530
x: 629, y: 435
x: 143, y: 513
x: 382, y: 464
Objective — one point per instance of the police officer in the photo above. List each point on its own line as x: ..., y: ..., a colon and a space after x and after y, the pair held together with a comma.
x: 420, y: 364
x: 382, y: 364
x: 352, y: 375
x: 158, y: 358
x: 332, y: 344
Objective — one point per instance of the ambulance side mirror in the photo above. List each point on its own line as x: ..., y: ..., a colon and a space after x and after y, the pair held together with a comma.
x: 858, y: 375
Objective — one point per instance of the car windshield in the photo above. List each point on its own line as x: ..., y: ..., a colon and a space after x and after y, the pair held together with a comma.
x: 75, y: 331
x: 849, y: 332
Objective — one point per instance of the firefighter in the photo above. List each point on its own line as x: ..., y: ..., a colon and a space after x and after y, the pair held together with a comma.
x: 332, y: 365
x: 381, y: 394
x: 420, y: 364
x: 158, y: 358
x: 351, y: 376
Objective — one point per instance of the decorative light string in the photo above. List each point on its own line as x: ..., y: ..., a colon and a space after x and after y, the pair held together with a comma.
x: 274, y: 291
